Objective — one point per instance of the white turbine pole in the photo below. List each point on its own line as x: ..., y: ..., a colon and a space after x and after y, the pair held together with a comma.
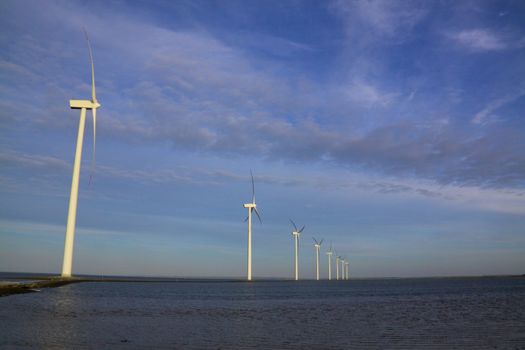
x: 337, y: 267
x: 346, y: 264
x: 249, y: 276
x: 295, y: 233
x: 67, y: 263
x: 251, y: 207
x: 83, y: 105
x: 329, y: 253
x: 342, y: 268
x: 317, y: 247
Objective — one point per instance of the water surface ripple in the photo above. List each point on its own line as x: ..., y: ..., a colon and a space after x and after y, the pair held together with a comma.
x: 463, y: 313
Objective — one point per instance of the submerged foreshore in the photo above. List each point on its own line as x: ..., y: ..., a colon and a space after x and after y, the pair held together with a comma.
x: 30, y: 284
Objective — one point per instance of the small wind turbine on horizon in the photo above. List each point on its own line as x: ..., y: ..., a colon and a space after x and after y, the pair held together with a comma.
x: 317, y: 246
x: 329, y: 253
x: 346, y: 269
x: 295, y: 233
x: 251, y: 207
x: 83, y: 105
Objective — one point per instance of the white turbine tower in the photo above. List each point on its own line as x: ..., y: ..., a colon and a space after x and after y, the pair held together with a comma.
x: 295, y: 233
x: 83, y: 105
x: 337, y: 258
x: 317, y: 246
x: 346, y: 268
x: 251, y: 207
x: 329, y: 253
x: 343, y: 268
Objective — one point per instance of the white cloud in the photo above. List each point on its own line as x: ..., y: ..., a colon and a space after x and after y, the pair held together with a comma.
x: 479, y: 40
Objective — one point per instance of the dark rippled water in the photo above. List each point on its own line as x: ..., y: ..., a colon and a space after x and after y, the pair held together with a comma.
x: 470, y: 313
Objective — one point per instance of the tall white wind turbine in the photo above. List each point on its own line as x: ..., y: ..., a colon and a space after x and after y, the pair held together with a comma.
x: 346, y: 269
x: 295, y: 233
x: 252, y: 207
x: 317, y: 246
x: 83, y: 105
x: 329, y: 253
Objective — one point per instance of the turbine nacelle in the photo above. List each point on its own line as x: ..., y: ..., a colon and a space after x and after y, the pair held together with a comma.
x: 296, y: 231
x: 249, y: 205
x: 79, y: 104
x: 317, y: 243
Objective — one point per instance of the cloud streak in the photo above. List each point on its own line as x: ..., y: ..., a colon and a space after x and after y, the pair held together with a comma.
x: 479, y: 40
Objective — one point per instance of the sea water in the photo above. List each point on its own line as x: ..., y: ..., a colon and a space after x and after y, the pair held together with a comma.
x: 447, y: 313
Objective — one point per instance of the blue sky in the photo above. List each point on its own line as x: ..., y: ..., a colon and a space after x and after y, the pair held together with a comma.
x: 393, y: 129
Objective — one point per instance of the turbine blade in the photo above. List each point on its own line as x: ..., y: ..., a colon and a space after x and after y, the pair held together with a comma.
x: 301, y: 230
x: 315, y: 240
x: 253, y: 188
x: 257, y: 212
x: 94, y: 111
x: 246, y: 219
x: 321, y: 242
x: 294, y: 225
x: 93, y: 92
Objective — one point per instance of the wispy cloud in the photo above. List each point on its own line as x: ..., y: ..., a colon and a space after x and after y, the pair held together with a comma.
x: 501, y: 200
x: 368, y: 95
x: 486, y: 114
x: 479, y: 40
x: 12, y: 158
x: 388, y: 18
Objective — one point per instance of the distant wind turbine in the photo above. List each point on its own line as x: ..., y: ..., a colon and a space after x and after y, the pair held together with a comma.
x: 83, y: 105
x: 317, y: 246
x: 346, y: 268
x: 295, y: 233
x: 251, y: 207
x: 329, y: 253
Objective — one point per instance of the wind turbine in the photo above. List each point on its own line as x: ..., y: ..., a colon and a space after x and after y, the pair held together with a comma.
x: 317, y: 246
x: 83, y: 105
x: 342, y: 268
x: 329, y: 253
x: 251, y: 207
x: 295, y: 233
x: 346, y: 270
